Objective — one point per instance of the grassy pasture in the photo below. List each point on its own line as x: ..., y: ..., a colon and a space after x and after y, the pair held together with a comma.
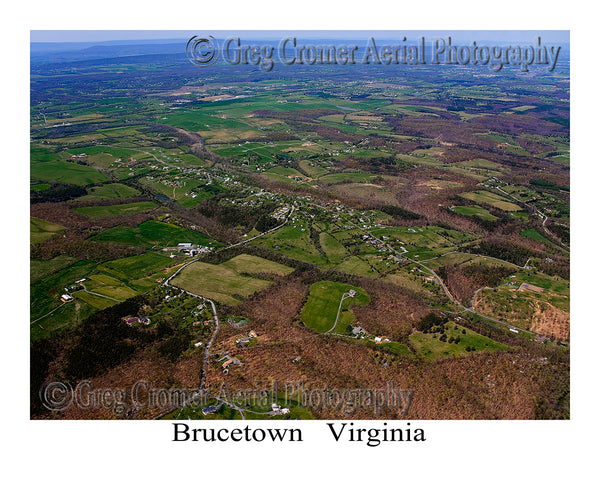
x: 218, y: 282
x: 430, y: 237
x: 39, y: 269
x: 66, y: 172
x: 356, y: 266
x: 481, y: 164
x: 489, y: 198
x: 334, y: 250
x: 251, y: 264
x: 45, y: 293
x: 321, y: 308
x: 38, y: 153
x: 41, y: 230
x: 66, y: 316
x: 285, y: 171
x: 534, y: 235
x: 39, y: 187
x: 109, y: 287
x: 137, y: 266
x: 114, y: 152
x: 432, y: 348
x: 152, y: 233
x: 312, y: 169
x: 110, y: 190
x: 122, y: 209
x: 290, y: 240
x: 94, y: 301
x: 475, y: 211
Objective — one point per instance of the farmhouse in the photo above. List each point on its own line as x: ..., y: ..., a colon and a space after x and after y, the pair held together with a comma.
x: 358, y: 331
x: 210, y: 409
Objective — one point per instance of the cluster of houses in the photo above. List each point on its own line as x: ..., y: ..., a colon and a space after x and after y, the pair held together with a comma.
x: 78, y: 285
x: 278, y: 410
x: 360, y: 332
x: 243, y: 341
x: 281, y: 212
x: 191, y: 249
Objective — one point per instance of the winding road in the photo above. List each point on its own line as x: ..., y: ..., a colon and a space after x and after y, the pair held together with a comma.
x: 440, y: 282
x: 214, y: 309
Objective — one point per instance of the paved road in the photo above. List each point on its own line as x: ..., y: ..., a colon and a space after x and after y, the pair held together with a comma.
x: 214, y: 309
x: 442, y: 285
x: 209, y: 344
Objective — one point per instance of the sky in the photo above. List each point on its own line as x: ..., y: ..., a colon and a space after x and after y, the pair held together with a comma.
x: 526, y: 36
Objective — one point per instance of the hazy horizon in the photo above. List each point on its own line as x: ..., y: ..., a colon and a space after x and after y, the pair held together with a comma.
x: 100, y: 36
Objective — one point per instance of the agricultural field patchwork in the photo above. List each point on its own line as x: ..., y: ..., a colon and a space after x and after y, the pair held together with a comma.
x: 195, y: 229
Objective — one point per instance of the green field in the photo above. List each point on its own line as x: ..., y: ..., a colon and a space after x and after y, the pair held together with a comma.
x: 39, y: 187
x: 95, y: 301
x: 45, y: 292
x: 137, y: 266
x: 295, y: 243
x: 312, y: 169
x: 356, y: 266
x: 68, y: 315
x: 218, y: 282
x: 39, y: 269
x: 489, y: 198
x: 110, y: 190
x: 475, y: 211
x: 481, y: 164
x: 114, y: 152
x: 429, y: 345
x: 66, y: 172
x: 334, y: 250
x: 122, y: 209
x: 109, y: 287
x: 321, y: 308
x: 152, y: 233
x: 39, y: 153
x: 249, y: 264
x: 535, y: 235
x: 41, y: 230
